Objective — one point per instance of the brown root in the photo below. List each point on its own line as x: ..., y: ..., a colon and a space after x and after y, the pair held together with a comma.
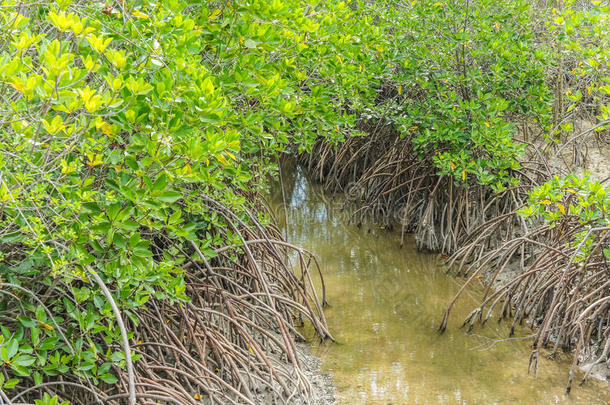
x: 233, y: 342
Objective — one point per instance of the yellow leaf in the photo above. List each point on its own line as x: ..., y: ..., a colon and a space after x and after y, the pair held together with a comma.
x: 94, y: 160
x: 486, y: 124
x: 251, y: 351
x: 107, y: 129
x: 222, y: 159
x: 413, y: 128
x: 65, y: 168
x: 215, y: 14
x: 561, y: 208
x: 570, y: 190
x: 196, y: 396
x: 232, y: 156
x: 452, y: 166
x: 545, y: 202
x: 437, y: 4
x: 399, y: 90
x: 464, y: 175
x: 17, y: 85
x: 140, y: 15
x: 46, y: 326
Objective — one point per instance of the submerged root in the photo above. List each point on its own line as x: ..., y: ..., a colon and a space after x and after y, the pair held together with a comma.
x: 566, y: 300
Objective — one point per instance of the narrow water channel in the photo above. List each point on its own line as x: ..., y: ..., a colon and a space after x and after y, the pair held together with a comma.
x: 385, y: 305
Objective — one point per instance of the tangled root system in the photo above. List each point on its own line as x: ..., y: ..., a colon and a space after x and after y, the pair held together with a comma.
x: 389, y: 182
x: 233, y: 342
x: 566, y: 300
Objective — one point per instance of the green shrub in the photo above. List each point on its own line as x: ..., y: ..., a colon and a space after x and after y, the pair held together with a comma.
x: 574, y: 199
x: 464, y: 75
x: 120, y: 123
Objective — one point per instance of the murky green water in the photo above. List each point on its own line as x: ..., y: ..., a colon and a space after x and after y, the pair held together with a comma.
x: 385, y: 307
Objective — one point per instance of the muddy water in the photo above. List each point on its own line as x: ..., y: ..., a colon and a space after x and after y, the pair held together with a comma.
x: 386, y: 303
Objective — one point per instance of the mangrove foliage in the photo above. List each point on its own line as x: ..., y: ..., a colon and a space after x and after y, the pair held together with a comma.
x: 139, y: 261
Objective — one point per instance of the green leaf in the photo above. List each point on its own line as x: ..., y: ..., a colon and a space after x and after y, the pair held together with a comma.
x: 248, y: 43
x: 109, y: 378
x: 170, y: 196
x: 12, y: 348
x: 41, y: 315
x: 10, y: 384
x: 37, y: 378
x: 129, y: 225
x: 24, y: 360
x: 160, y: 183
x: 20, y: 370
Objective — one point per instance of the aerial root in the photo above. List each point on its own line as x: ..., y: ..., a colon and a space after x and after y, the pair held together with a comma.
x: 232, y: 342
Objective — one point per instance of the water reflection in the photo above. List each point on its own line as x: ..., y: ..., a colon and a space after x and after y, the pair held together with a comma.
x: 385, y: 306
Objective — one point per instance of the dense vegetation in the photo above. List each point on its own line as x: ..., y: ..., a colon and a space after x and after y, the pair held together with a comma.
x: 502, y: 98
x: 137, y: 258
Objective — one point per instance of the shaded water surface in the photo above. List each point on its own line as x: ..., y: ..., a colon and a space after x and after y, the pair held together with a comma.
x: 386, y: 303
